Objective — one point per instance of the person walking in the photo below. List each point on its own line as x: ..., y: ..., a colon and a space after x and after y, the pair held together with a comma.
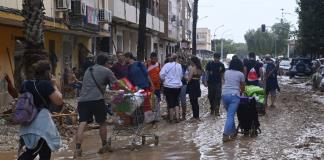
x: 233, y: 87
x: 193, y: 88
x: 252, y: 70
x: 120, y: 68
x: 41, y: 137
x: 271, y: 81
x: 214, y: 71
x: 183, y: 92
x: 171, y: 75
x: 91, y: 101
x: 153, y: 69
x: 137, y: 73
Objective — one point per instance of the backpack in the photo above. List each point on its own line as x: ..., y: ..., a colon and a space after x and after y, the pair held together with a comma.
x: 26, y: 110
x: 252, y: 75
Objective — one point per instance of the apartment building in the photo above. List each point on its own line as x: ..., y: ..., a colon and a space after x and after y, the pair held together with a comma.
x: 186, y: 22
x: 203, y: 39
x: 70, y: 26
x: 125, y: 22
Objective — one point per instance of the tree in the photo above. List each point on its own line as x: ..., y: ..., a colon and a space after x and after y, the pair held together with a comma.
x: 282, y: 34
x: 33, y: 12
x: 260, y: 42
x: 142, y: 30
x: 311, y: 24
x: 194, y: 27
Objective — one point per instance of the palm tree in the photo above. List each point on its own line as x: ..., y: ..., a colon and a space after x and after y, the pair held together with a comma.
x: 141, y: 30
x: 194, y: 27
x: 33, y: 12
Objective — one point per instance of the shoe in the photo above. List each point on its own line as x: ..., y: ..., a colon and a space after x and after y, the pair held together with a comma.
x: 77, y: 153
x: 227, y: 138
x: 104, y: 149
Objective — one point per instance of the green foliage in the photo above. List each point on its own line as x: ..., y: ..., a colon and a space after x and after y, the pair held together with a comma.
x: 260, y: 42
x: 272, y: 41
x: 311, y: 27
x: 230, y: 47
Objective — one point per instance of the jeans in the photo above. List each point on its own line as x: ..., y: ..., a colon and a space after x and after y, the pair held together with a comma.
x: 183, y: 94
x: 214, y: 96
x: 231, y: 103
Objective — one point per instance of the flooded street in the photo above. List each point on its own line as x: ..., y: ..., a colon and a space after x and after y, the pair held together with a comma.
x: 294, y: 129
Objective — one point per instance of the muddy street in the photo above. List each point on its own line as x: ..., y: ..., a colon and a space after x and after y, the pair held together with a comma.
x: 294, y: 129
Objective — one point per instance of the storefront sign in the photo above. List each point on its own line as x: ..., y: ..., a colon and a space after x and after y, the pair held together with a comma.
x: 92, y: 15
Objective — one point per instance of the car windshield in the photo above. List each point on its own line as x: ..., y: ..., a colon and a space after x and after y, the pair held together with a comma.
x: 285, y: 63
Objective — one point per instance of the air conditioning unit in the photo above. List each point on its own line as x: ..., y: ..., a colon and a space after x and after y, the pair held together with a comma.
x: 105, y: 16
x: 79, y: 8
x: 62, y: 4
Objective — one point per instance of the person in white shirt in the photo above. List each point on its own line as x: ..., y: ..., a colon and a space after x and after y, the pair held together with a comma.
x: 171, y: 75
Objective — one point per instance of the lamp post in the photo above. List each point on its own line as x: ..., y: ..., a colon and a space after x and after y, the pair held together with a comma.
x: 215, y: 47
x: 222, y: 44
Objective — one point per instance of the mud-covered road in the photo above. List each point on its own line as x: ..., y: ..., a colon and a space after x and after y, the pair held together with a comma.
x: 294, y: 129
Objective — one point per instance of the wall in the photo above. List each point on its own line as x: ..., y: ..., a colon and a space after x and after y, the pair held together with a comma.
x: 7, y: 40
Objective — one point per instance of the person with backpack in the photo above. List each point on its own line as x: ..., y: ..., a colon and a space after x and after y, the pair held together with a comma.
x: 171, y: 75
x: 40, y: 135
x: 252, y: 70
x: 91, y: 102
x: 271, y: 81
x: 214, y: 72
x: 234, y: 84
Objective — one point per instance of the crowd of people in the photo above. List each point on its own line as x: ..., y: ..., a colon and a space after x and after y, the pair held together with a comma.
x: 176, y: 79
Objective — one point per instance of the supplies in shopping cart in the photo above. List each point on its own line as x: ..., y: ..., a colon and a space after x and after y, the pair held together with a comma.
x: 129, y: 103
x: 151, y: 107
x: 259, y: 94
x: 124, y: 84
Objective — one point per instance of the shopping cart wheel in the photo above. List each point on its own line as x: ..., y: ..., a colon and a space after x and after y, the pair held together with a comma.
x: 143, y: 140
x: 156, y: 140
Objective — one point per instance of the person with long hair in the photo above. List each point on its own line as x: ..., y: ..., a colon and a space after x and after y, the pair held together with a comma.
x: 193, y: 88
x: 41, y: 136
x: 171, y: 75
x: 233, y: 87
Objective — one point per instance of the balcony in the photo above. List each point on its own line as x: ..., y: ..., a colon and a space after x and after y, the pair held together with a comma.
x: 125, y: 12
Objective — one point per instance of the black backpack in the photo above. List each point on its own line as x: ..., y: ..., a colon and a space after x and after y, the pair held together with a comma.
x: 248, y: 118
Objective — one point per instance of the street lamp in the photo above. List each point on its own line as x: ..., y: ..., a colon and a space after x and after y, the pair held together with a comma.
x: 215, y: 47
x: 222, y: 44
x: 199, y: 19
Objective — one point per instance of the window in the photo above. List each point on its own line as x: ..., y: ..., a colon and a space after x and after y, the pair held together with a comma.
x: 119, y: 43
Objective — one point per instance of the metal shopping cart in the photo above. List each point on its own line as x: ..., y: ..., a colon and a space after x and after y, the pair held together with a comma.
x: 132, y: 118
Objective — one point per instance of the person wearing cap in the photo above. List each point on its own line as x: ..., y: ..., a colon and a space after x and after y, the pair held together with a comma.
x: 271, y: 81
x: 214, y: 75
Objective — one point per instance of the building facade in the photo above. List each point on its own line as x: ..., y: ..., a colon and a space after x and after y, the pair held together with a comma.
x: 125, y: 22
x: 203, y: 39
x: 71, y: 30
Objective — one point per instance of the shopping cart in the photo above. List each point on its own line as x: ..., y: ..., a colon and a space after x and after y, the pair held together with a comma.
x: 132, y: 118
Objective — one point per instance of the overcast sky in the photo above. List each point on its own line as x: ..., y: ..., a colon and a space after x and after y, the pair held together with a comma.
x: 238, y: 16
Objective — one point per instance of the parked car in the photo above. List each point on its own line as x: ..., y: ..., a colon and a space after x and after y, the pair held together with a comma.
x: 301, y: 67
x: 284, y: 67
x: 318, y: 79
